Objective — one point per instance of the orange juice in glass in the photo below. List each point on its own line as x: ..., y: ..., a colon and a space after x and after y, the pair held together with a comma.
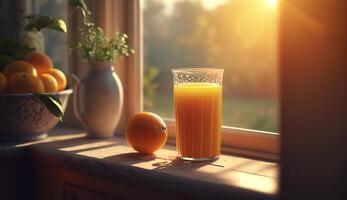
x: 198, y: 106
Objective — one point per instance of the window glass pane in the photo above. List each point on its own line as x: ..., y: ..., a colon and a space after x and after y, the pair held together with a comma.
x: 237, y: 35
x: 55, y: 42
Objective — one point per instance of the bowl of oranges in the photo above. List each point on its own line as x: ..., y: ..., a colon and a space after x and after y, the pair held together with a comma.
x: 23, y: 116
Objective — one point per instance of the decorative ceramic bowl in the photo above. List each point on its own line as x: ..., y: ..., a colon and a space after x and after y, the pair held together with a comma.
x: 24, y: 117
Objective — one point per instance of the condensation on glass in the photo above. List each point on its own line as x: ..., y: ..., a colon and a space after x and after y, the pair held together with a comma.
x: 198, y: 106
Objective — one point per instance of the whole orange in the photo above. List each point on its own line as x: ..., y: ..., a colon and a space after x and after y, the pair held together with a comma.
x: 60, y: 77
x: 49, y: 83
x: 40, y: 61
x: 146, y: 132
x: 3, y: 83
x: 23, y: 82
x: 19, y: 66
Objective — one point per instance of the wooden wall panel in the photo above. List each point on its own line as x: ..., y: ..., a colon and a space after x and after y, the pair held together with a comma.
x: 313, y: 63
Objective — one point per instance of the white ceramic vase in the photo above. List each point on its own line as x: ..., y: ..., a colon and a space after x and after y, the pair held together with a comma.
x: 98, y: 100
x: 33, y: 39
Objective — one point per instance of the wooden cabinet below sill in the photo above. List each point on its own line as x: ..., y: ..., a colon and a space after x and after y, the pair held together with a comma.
x: 53, y: 183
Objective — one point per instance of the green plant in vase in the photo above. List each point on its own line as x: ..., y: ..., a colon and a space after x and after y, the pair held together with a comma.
x: 101, y: 89
x: 94, y: 45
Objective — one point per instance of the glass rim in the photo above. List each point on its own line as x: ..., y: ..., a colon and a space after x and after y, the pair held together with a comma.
x: 197, y: 69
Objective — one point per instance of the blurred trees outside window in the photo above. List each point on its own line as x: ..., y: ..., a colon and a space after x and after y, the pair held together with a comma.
x: 239, y: 36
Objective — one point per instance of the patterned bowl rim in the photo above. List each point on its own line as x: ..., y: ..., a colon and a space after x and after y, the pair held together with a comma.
x: 64, y: 92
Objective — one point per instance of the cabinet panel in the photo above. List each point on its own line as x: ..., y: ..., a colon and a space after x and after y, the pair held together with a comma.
x: 59, y: 184
x: 73, y: 192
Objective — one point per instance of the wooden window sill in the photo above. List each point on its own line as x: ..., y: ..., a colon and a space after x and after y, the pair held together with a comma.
x: 112, y: 160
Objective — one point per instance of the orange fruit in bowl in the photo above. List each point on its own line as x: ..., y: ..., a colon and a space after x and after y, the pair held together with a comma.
x: 60, y: 77
x: 146, y: 132
x: 40, y: 61
x: 3, y: 83
x: 50, y: 84
x: 19, y: 66
x: 23, y: 82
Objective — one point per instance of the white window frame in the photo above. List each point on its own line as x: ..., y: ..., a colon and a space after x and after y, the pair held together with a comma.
x: 244, y: 142
x: 260, y: 144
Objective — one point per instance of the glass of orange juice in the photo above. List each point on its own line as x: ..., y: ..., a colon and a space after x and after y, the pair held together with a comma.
x: 198, y: 106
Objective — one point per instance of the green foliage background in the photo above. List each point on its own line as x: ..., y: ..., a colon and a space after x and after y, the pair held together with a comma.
x: 239, y: 36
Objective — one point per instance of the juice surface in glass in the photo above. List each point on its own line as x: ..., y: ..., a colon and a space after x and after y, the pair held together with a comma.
x: 198, y: 120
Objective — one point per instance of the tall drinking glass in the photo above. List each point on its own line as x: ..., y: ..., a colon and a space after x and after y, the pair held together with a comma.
x: 198, y: 106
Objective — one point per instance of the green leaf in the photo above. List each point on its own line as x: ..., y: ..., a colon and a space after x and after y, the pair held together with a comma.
x: 93, y: 43
x: 52, y: 103
x: 38, y: 22
x: 79, y: 3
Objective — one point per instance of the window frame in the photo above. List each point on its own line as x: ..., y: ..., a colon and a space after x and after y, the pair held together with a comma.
x: 245, y: 142
x: 240, y: 141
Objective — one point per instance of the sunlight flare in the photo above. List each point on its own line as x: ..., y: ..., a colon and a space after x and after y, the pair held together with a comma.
x: 271, y: 3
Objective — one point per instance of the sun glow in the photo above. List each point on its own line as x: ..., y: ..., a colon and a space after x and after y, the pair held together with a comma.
x: 271, y: 3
